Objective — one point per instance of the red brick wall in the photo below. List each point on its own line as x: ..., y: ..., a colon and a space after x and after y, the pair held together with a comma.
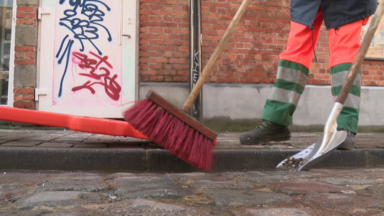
x: 24, y: 98
x: 252, y: 52
x: 25, y: 55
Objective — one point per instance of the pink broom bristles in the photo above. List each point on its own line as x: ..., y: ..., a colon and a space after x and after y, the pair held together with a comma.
x: 171, y: 133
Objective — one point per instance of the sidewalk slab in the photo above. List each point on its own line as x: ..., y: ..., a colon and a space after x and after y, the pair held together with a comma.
x: 70, y: 150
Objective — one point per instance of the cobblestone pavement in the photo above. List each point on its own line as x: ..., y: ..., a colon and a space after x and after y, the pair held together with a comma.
x: 318, y: 192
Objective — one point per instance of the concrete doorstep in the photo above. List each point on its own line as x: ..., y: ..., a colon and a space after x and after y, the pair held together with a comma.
x: 69, y: 150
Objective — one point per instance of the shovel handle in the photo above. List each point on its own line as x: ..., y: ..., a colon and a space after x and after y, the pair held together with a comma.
x: 348, y: 82
x: 216, y: 54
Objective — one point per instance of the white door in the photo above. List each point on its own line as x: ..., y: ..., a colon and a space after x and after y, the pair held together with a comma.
x: 88, y: 57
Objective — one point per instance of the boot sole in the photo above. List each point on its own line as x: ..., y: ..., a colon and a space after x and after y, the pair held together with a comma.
x: 278, y: 138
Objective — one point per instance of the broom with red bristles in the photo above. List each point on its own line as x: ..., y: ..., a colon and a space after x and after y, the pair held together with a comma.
x: 171, y: 127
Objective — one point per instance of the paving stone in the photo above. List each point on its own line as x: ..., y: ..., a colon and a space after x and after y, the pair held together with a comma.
x: 75, y: 211
x: 70, y: 139
x: 276, y: 212
x: 127, y: 139
x: 11, y: 186
x: 79, y: 176
x: 74, y: 185
x: 117, y: 175
x: 208, y: 184
x: 246, y: 198
x: 116, y: 194
x: 61, y: 198
x: 148, y: 207
x: 11, y: 137
x: 378, y: 189
x: 75, y: 182
x: 347, y: 181
x: 77, y: 136
x: 293, y: 175
x: 346, y: 202
x: 43, y: 137
x: 263, y: 177
x: 12, y: 180
x: 64, y: 140
x: 189, y: 176
x: 12, y: 195
x: 244, y: 175
x: 125, y: 145
x: 56, y: 145
x: 21, y: 144
x: 90, y: 145
x: 305, y: 187
x: 66, y: 132
x: 138, y: 187
x: 97, y: 138
x: 168, y: 192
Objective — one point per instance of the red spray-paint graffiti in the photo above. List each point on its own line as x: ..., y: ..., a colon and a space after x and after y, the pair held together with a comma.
x: 112, y: 88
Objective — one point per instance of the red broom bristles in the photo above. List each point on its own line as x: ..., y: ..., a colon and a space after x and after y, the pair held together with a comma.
x: 171, y: 133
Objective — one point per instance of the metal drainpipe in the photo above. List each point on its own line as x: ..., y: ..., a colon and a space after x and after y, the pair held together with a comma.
x: 195, y: 55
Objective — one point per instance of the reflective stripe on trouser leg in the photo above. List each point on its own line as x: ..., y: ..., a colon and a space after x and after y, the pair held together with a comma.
x: 344, y: 43
x: 349, y: 115
x: 292, y: 72
x: 286, y: 92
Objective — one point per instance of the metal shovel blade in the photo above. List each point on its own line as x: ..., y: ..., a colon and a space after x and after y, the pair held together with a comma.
x: 329, y: 141
x: 338, y: 138
x: 306, y: 159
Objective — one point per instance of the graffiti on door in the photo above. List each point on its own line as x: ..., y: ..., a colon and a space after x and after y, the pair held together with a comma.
x: 87, y: 67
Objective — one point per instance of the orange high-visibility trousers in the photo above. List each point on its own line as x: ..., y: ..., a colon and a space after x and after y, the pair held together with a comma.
x: 344, y: 42
x: 294, y: 65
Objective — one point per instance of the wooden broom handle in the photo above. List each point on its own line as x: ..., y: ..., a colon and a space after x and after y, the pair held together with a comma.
x: 216, y: 54
x: 348, y: 82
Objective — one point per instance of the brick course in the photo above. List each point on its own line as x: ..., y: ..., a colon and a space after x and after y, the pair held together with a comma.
x: 24, y: 97
x: 251, y: 55
x: 25, y: 55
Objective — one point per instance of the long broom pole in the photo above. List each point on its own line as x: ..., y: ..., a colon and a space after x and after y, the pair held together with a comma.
x: 216, y: 54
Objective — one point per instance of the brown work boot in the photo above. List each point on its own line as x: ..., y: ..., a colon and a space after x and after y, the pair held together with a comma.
x: 266, y: 132
x: 349, y: 142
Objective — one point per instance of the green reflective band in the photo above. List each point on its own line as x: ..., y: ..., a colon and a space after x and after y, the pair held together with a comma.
x: 355, y: 90
x: 290, y: 86
x: 278, y: 112
x: 294, y: 66
x: 348, y: 119
x: 341, y: 68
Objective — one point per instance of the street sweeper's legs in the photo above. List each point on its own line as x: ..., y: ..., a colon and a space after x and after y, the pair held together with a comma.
x: 292, y: 76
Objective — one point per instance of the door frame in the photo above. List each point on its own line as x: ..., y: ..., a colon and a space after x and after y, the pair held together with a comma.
x: 11, y: 72
x: 11, y: 75
x: 136, y: 53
